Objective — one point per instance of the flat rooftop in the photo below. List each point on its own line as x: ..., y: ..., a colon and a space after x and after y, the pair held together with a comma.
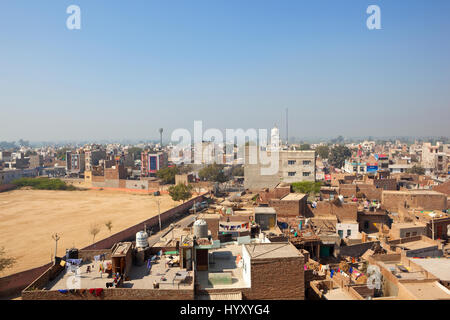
x: 338, y: 294
x: 415, y: 245
x: 293, y: 196
x: 401, y: 225
x: 223, y: 264
x: 272, y: 250
x: 413, y: 273
x: 140, y: 277
x: 427, y: 290
x: 439, y: 267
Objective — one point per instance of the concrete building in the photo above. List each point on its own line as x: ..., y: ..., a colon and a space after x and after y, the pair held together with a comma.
x: 7, y: 176
x: 152, y: 162
x: 293, y: 166
x: 92, y: 158
x: 75, y: 162
x: 435, y: 159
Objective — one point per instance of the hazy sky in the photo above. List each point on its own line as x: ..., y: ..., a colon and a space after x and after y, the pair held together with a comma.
x: 136, y: 66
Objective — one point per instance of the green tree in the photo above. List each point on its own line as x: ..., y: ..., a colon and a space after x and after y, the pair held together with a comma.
x: 136, y: 152
x: 180, y: 192
x: 307, y: 187
x: 417, y: 169
x: 213, y: 172
x: 167, y: 175
x: 338, y: 155
x: 323, y: 151
x: 61, y: 153
x: 305, y: 146
x: 5, y: 262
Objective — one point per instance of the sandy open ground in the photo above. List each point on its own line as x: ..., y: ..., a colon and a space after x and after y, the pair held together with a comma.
x: 28, y: 218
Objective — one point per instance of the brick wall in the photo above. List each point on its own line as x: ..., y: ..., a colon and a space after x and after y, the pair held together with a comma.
x: 213, y: 226
x: 346, y: 211
x: 385, y: 184
x: 356, y: 250
x: 112, y: 294
x: 291, y: 208
x: 370, y: 191
x: 424, y: 200
x: 281, y: 279
x: 15, y: 283
x: 347, y: 190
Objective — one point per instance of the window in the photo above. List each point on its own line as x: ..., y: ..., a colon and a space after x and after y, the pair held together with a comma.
x: 408, y: 234
x: 349, y: 232
x: 291, y: 174
x: 414, y: 234
x: 306, y: 174
x: 291, y: 161
x: 306, y: 162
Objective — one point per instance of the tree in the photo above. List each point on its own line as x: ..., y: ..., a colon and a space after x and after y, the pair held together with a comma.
x: 416, y: 169
x: 305, y: 146
x: 61, y: 153
x: 167, y: 175
x: 180, y: 192
x: 338, y: 155
x: 5, y: 262
x: 213, y: 172
x: 338, y: 140
x: 307, y: 187
x: 108, y: 225
x: 136, y: 152
x: 323, y: 151
x: 93, y: 231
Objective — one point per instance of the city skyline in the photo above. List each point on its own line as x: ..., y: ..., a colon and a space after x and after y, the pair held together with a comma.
x: 133, y: 69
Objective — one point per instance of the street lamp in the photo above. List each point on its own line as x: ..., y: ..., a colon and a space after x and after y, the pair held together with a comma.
x: 56, y: 237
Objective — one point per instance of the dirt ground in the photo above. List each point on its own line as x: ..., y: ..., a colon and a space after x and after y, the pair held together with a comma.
x: 28, y: 218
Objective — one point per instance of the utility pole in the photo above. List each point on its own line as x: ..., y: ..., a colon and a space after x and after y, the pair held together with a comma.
x: 56, y: 237
x: 432, y: 227
x: 159, y: 214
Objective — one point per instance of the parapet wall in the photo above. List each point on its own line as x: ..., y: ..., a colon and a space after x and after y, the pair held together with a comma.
x: 111, y: 294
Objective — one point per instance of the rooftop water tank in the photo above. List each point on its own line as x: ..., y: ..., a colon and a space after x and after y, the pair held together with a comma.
x: 141, y: 239
x: 200, y: 229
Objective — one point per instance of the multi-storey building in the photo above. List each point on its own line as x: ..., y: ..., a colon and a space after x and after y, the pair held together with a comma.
x: 152, y: 162
x: 292, y: 166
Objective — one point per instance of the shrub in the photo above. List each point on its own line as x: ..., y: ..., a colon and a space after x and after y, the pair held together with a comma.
x: 43, y: 184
